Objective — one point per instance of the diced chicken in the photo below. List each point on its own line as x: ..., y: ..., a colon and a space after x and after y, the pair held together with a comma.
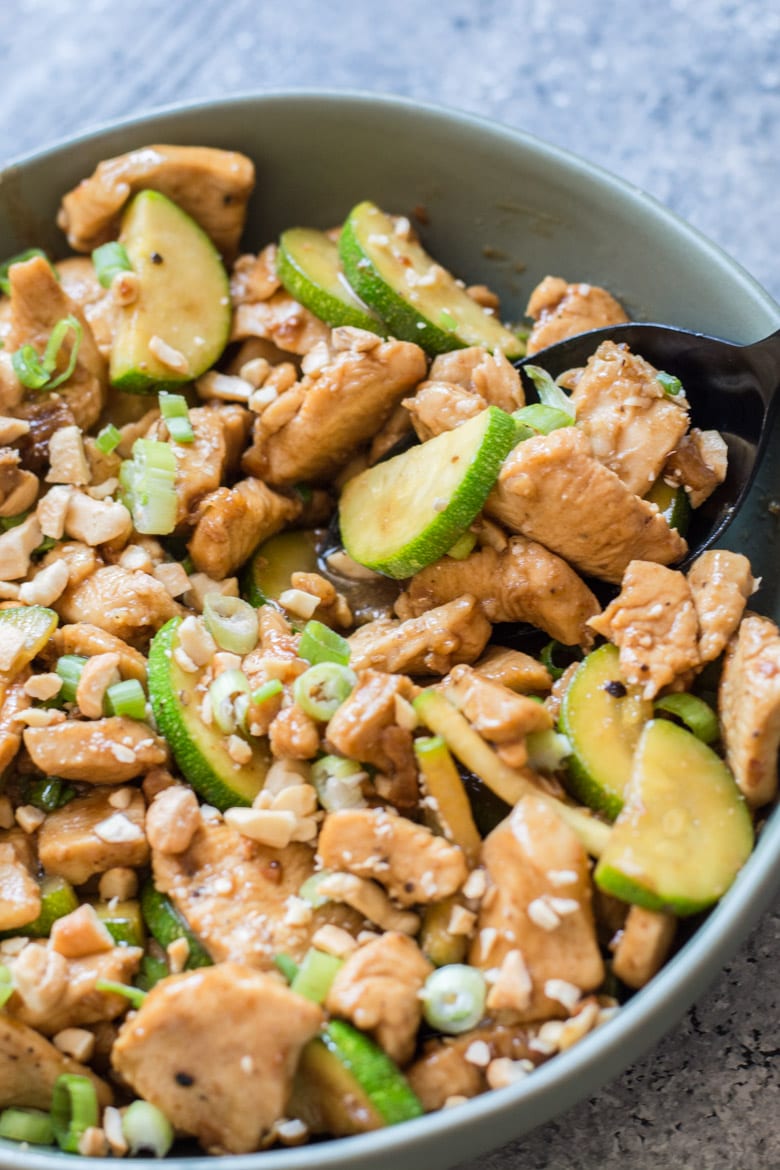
x: 490, y: 376
x: 38, y: 303
x: 513, y: 669
x: 43, y: 415
x: 200, y: 465
x: 530, y: 910
x: 85, y: 838
x: 429, y: 644
x: 397, y: 427
x: 313, y: 428
x: 207, y: 1042
x: 87, y: 641
x: 254, y: 278
x: 699, y: 464
x: 497, y: 713
x: 407, y: 859
x: 20, y: 896
x: 365, y: 727
x: 552, y: 490
x: 128, y: 603
x: 654, y: 623
x: 15, y: 699
x: 239, y: 897
x: 642, y: 945
x: 720, y: 584
x: 447, y: 1067
x: 213, y: 186
x: 53, y: 992
x: 749, y: 707
x: 81, y: 560
x: 378, y: 989
x: 96, y: 751
x: 438, y: 407
x: 232, y: 522
x: 280, y: 320
x: 561, y: 310
x: 524, y: 583
x: 30, y: 1065
x: 18, y: 488
x: 631, y: 423
x: 80, y: 281
x: 294, y: 735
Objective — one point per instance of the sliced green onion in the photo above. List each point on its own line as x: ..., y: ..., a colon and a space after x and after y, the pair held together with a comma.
x: 315, y: 975
x: 29, y: 254
x: 549, y: 653
x: 222, y: 694
x: 146, y: 1129
x: 32, y: 1126
x: 538, y: 419
x: 152, y: 971
x: 111, y: 987
x: 127, y: 698
x: 454, y: 998
x: 29, y: 368
x: 548, y: 390
x: 462, y: 547
x: 231, y: 622
x: 698, y: 716
x: 310, y: 889
x: 6, y: 984
x: 9, y: 522
x: 267, y: 691
x: 174, y: 409
x: 547, y: 750
x: 287, y: 966
x: 321, y: 644
x: 321, y: 689
x: 108, y: 439
x: 48, y: 794
x: 148, y: 482
x: 35, y: 372
x: 337, y: 781
x: 671, y: 386
x: 109, y: 260
x: 69, y: 668
x: 74, y: 1109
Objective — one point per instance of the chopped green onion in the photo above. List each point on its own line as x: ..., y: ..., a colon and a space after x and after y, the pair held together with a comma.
x: 454, y: 998
x: 29, y: 368
x: 338, y: 781
x: 146, y: 1129
x: 152, y: 971
x: 547, y: 750
x: 29, y: 254
x: 35, y: 372
x: 315, y: 975
x: 549, y: 653
x: 321, y: 689
x: 538, y: 419
x: 321, y: 644
x: 174, y: 409
x: 69, y: 668
x: 148, y: 481
x: 698, y: 716
x: 231, y: 622
x: 222, y: 694
x: 74, y: 1109
x: 9, y: 522
x: 304, y: 492
x: 462, y: 547
x: 671, y: 386
x: 287, y: 966
x: 32, y: 1126
x: 267, y: 691
x: 127, y: 698
x: 447, y: 321
x: 111, y: 987
x: 109, y: 260
x: 48, y: 794
x: 548, y: 390
x: 108, y: 439
x: 310, y: 892
x: 6, y: 984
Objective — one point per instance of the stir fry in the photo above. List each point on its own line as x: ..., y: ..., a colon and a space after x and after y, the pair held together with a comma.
x: 362, y: 746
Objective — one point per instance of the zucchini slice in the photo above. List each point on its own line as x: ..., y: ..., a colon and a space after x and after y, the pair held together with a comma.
x: 418, y: 299
x: 200, y: 751
x: 673, y: 504
x: 123, y: 921
x: 308, y: 265
x: 603, y: 720
x: 685, y: 830
x: 400, y: 515
x: 267, y: 575
x: 166, y: 924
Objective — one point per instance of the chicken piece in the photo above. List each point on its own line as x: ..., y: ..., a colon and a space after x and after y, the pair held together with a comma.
x: 128, y: 603
x: 294, y: 735
x: 253, y: 278
x: 654, y: 624
x: 365, y: 727
x: 87, y: 641
x: 720, y: 584
x: 407, y: 859
x: 497, y: 713
x: 642, y: 945
x: 38, y: 303
x: 13, y: 700
x: 213, y: 186
x: 236, y: 423
x: 429, y: 644
x: 232, y: 522
x: 96, y: 751
x: 201, y: 1066
x: 20, y: 896
x: 513, y: 669
x: 281, y: 321
x: 551, y: 489
x: 438, y: 407
x: 397, y: 427
x: 240, y: 897
x: 200, y: 465
x: 442, y: 1071
x: 30, y: 1065
x: 18, y: 488
x: 90, y: 835
x: 44, y: 416
x: 524, y: 583
x: 489, y: 376
x: 80, y: 281
x: 632, y: 424
x: 82, y: 561
x: 699, y: 464
x: 312, y: 429
x: 562, y: 310
x: 378, y: 989
x: 749, y: 708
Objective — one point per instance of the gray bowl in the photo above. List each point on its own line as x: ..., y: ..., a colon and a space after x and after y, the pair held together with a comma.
x: 505, y: 209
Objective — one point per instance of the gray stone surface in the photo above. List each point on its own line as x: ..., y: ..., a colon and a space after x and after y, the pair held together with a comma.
x: 681, y: 97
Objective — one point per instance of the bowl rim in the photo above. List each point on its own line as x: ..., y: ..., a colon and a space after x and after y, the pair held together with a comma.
x: 714, y: 941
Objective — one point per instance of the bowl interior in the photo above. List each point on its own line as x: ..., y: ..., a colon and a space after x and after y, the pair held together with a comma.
x: 502, y: 208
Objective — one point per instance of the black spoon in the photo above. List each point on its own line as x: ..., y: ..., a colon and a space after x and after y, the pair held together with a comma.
x: 731, y: 388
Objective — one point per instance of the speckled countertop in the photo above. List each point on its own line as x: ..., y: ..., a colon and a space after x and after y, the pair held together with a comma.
x: 681, y: 97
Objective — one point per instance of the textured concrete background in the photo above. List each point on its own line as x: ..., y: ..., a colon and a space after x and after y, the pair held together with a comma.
x: 681, y: 97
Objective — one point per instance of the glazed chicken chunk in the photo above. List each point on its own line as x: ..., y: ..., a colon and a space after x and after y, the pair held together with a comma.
x: 561, y: 310
x: 749, y: 705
